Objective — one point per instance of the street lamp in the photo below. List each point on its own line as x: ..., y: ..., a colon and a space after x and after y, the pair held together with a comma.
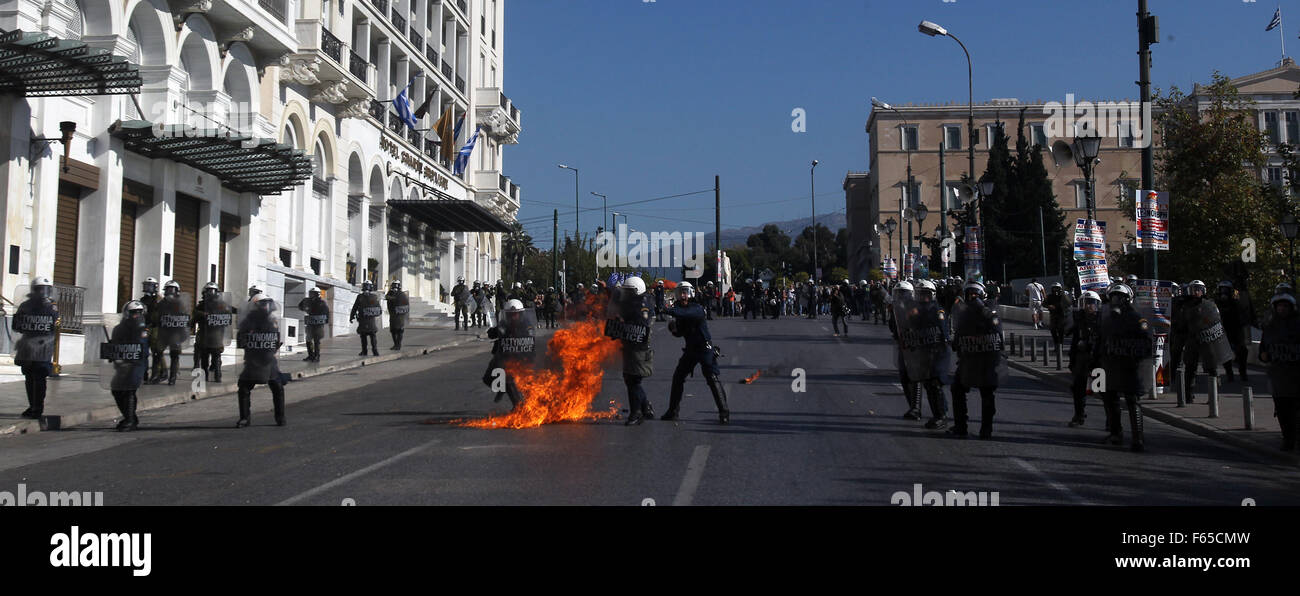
x: 604, y: 202
x: 1085, y: 156
x: 577, y: 233
x: 812, y: 181
x: 1290, y: 228
x: 890, y: 226
x: 933, y: 29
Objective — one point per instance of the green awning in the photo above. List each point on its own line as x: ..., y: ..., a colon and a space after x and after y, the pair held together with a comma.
x: 450, y: 215
x: 40, y: 65
x: 242, y: 163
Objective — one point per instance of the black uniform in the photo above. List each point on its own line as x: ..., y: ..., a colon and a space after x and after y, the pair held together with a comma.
x: 1083, y: 348
x: 316, y: 322
x: 513, y: 344
x: 690, y: 324
x: 977, y: 340
x: 1125, y: 341
x: 460, y: 299
x: 1232, y: 313
x: 878, y: 304
x: 633, y: 315
x: 259, y: 335
x: 399, y: 310
x: 923, y: 344
x: 36, y: 320
x: 550, y: 304
x: 130, y: 364
x: 839, y: 312
x: 366, y: 311
x: 171, y: 323
x: 213, y: 318
x: 150, y: 302
x: 1279, y: 348
x: 659, y: 302
x: 1058, y: 304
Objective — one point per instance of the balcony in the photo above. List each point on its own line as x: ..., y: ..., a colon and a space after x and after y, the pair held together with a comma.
x: 464, y: 8
x: 331, y: 45
x: 460, y: 84
x: 273, y: 27
x: 382, y: 5
x: 395, y: 124
x: 431, y: 53
x: 377, y: 110
x: 497, y: 186
x: 416, y: 39
x: 497, y: 115
x: 337, y: 74
x: 275, y: 7
x: 399, y: 22
x: 446, y: 70
x: 358, y: 67
x: 414, y: 138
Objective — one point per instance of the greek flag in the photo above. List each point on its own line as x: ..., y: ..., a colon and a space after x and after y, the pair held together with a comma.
x: 1277, y: 20
x: 462, y: 160
x: 403, y: 106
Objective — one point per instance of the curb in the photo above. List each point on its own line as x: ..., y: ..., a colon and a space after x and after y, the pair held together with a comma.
x: 1174, y: 420
x: 58, y: 422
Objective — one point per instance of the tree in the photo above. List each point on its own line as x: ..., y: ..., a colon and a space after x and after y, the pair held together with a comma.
x: 826, y: 251
x: 517, y: 246
x: 1034, y: 190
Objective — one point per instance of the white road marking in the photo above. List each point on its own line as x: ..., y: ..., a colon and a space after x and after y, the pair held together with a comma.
x: 898, y: 386
x: 867, y: 362
x: 1052, y: 483
x: 357, y: 474
x: 691, y: 481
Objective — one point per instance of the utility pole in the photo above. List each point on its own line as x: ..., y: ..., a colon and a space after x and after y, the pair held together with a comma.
x: 1148, y: 33
x: 555, y: 232
x: 1042, y: 241
x: 943, y: 209
x: 717, y: 230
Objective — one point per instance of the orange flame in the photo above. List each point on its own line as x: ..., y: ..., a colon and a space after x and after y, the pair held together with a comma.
x: 550, y: 396
x: 751, y: 378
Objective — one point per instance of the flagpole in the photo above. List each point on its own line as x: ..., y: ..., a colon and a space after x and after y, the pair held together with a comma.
x: 1281, y: 31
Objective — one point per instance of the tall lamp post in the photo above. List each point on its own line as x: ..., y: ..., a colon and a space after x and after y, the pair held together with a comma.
x: 1290, y: 229
x: 577, y: 233
x: 890, y: 226
x: 933, y: 30
x: 812, y: 182
x: 604, y: 205
x: 1085, y: 156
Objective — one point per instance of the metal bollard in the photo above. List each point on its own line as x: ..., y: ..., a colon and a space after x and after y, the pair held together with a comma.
x: 1058, y: 356
x: 1044, y: 353
x: 1178, y: 382
x: 1248, y: 405
x: 1022, y: 346
x: 1214, y: 395
x: 1013, y: 344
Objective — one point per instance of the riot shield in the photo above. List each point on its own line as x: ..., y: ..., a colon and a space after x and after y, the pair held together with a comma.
x: 1126, y: 351
x: 977, y: 338
x: 1062, y: 315
x: 368, y: 311
x: 515, y: 339
x: 216, y: 322
x: 316, y: 318
x: 923, y: 340
x: 624, y: 318
x: 258, y: 337
x: 124, y: 355
x: 172, y: 316
x: 1206, y: 329
x: 399, y: 310
x: 33, y: 326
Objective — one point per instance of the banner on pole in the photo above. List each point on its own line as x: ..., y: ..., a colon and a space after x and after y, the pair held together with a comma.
x: 1152, y: 219
x: 1154, y: 300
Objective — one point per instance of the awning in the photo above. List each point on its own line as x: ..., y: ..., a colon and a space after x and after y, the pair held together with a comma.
x: 40, y: 65
x: 242, y: 163
x: 450, y: 215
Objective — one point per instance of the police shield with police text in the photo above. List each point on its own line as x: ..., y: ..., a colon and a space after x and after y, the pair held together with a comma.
x: 366, y: 311
x: 1126, y: 344
x: 923, y: 341
x: 214, y: 320
x: 977, y: 339
x: 513, y: 346
x: 399, y: 312
x: 171, y: 322
x: 1084, y: 335
x: 36, y: 321
x: 630, y: 323
x: 124, y: 362
x: 689, y: 323
x: 1279, y: 349
x: 316, y: 320
x: 259, y: 337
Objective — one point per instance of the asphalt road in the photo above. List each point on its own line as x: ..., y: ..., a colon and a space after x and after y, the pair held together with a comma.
x: 365, y: 437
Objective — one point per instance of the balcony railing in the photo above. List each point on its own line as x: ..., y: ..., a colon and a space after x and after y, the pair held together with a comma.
x: 446, y: 70
x: 505, y: 102
x: 413, y: 137
x: 358, y: 66
x: 416, y: 39
x: 377, y: 110
x: 398, y: 21
x: 460, y: 84
x: 503, y: 182
x: 395, y: 123
x: 431, y: 150
x: 331, y: 45
x: 275, y: 7
x: 464, y: 8
x: 382, y: 5
x: 431, y: 53
x: 514, y: 191
x: 514, y: 112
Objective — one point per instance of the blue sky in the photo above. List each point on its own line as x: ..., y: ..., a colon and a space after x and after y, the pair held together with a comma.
x: 651, y: 99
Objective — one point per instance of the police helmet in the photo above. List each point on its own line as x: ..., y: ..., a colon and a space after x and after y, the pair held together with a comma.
x: 1282, y: 298
x: 1119, y: 289
x: 1196, y: 283
x: 395, y: 285
x: 1091, y: 296
x: 975, y: 286
x: 172, y: 288
x: 316, y: 291
x: 636, y: 284
x: 685, y: 290
x: 211, y: 287
x: 253, y: 290
x: 132, y: 307
x: 367, y: 286
x: 514, y: 305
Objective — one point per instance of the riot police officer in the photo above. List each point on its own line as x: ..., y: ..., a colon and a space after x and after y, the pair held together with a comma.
x: 632, y: 314
x: 688, y: 322
x: 316, y: 321
x: 1058, y: 305
x: 253, y: 291
x: 551, y: 303
x: 513, y: 344
x: 460, y: 299
x: 259, y: 336
x: 212, y: 321
x: 1083, y: 346
x: 1201, y: 335
x: 399, y: 311
x: 366, y: 311
x: 37, y: 321
x: 878, y: 304
x: 923, y: 339
x: 171, y: 322
x: 150, y: 300
x: 659, y: 300
x: 127, y: 362
x: 1279, y: 348
x: 1125, y: 342
x: 902, y: 295
x: 1230, y: 312
x: 977, y: 339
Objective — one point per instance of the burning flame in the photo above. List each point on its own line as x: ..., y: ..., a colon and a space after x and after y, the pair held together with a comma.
x: 580, y: 351
x: 751, y: 378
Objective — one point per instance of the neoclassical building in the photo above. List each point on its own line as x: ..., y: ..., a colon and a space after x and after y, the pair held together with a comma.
x: 251, y: 142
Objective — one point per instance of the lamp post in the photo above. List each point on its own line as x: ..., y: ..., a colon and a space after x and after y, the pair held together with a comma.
x: 1085, y: 156
x: 812, y: 182
x: 577, y: 233
x: 890, y: 226
x: 604, y: 204
x: 1290, y: 229
x: 933, y: 30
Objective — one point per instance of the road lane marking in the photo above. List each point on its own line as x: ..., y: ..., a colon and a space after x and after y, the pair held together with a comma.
x: 357, y: 474
x: 1052, y: 483
x: 691, y: 481
x: 898, y: 386
x: 867, y: 362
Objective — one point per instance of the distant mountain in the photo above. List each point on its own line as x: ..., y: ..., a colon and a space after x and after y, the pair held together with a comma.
x: 737, y: 236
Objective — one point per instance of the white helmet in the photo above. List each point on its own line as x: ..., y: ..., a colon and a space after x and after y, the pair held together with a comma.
x: 133, y: 305
x: 976, y: 286
x: 863, y: 282
x: 518, y: 285
x: 41, y: 281
x: 1091, y: 295
x: 514, y: 306
x: 925, y: 284
x: 903, y: 287
x: 636, y: 284
x: 1120, y: 289
x: 685, y: 290
x: 151, y: 280
x: 1196, y: 283
x: 580, y: 285
x: 1283, y: 298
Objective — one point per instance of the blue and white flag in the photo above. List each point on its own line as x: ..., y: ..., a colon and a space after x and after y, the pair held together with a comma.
x: 462, y: 160
x: 1277, y: 20
x: 403, y: 106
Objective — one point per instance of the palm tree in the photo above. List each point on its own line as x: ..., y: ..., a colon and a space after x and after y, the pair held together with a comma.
x: 517, y: 246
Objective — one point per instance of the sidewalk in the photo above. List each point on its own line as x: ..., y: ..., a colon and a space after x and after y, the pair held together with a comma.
x: 75, y: 397
x: 1230, y: 426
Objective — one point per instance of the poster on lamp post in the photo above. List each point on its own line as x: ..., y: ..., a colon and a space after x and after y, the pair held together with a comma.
x: 973, y: 254
x: 888, y: 268
x: 1090, y: 254
x: 909, y: 266
x: 1152, y: 219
